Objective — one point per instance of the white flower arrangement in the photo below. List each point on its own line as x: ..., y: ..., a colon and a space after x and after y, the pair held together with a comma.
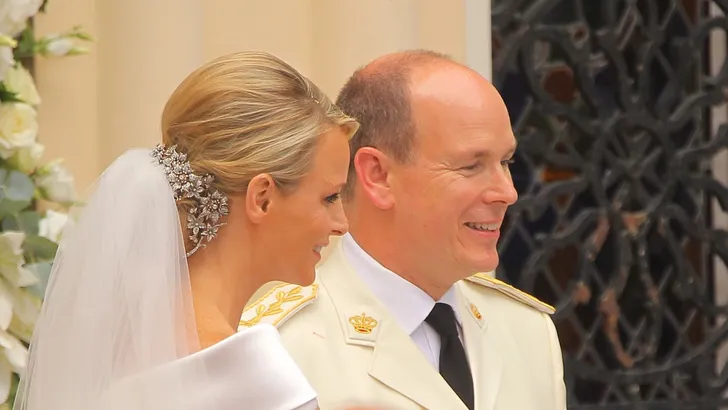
x: 29, y: 232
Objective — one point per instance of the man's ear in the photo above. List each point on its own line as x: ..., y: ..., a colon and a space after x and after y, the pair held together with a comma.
x: 372, y: 173
x: 259, y: 196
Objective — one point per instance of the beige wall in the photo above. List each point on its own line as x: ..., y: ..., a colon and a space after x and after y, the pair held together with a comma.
x: 96, y: 106
x: 68, y: 111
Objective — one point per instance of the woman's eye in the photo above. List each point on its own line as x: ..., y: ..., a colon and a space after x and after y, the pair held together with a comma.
x: 332, y: 198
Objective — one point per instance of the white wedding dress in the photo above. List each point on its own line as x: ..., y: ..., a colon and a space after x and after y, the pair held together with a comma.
x: 117, y: 329
x: 250, y: 370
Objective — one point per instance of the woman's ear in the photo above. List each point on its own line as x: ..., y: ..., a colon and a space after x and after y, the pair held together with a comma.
x: 258, y: 197
x: 372, y: 173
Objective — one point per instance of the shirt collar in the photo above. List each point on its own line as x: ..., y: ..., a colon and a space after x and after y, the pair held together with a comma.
x: 408, y: 304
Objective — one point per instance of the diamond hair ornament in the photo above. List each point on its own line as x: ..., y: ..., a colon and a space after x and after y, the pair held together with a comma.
x: 203, y: 220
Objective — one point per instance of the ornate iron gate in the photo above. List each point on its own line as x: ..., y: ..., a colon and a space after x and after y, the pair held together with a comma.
x: 611, y: 102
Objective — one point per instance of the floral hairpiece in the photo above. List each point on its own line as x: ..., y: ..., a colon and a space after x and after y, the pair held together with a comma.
x: 210, y: 204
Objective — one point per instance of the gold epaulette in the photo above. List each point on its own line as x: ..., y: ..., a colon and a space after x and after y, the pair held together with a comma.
x: 519, y: 295
x: 278, y: 304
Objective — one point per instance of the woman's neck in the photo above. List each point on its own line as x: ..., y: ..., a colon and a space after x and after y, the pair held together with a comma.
x: 222, y: 283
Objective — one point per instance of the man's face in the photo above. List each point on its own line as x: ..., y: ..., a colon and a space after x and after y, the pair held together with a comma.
x: 452, y: 197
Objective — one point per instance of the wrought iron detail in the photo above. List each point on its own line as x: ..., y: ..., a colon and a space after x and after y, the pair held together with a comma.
x: 611, y: 102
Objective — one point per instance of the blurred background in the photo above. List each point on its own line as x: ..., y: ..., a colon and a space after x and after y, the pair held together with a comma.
x: 100, y: 104
x: 618, y: 105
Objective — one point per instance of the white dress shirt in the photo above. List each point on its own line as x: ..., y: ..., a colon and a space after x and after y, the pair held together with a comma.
x: 408, y: 304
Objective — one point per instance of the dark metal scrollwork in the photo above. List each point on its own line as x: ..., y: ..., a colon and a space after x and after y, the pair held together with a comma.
x: 611, y: 101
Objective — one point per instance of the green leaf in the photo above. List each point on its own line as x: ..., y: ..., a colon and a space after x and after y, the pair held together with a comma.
x: 39, y: 249
x: 7, y: 95
x: 42, y: 271
x: 26, y: 221
x: 84, y: 36
x: 14, y: 382
x: 26, y: 43
x: 19, y: 186
x: 16, y: 192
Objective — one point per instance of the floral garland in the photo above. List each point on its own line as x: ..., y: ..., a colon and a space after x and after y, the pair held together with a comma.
x: 34, y: 197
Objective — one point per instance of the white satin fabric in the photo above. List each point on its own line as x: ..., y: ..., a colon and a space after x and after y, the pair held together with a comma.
x: 250, y: 370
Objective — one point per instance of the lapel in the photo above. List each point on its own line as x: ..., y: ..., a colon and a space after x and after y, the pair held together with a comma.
x: 395, y: 361
x: 483, y: 346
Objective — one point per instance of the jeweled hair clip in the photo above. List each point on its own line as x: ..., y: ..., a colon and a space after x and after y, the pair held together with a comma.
x: 203, y: 220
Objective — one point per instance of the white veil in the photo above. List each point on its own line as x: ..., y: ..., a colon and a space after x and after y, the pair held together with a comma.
x: 118, y: 302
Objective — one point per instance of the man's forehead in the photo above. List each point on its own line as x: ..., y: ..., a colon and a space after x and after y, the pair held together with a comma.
x: 458, y: 144
x: 449, y: 83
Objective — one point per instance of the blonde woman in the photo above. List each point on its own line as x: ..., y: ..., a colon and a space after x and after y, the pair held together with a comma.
x: 149, y: 284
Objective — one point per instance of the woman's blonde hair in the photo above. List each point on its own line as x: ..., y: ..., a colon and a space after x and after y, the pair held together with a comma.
x: 246, y: 114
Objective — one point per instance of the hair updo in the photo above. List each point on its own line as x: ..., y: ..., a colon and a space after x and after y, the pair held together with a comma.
x: 246, y: 114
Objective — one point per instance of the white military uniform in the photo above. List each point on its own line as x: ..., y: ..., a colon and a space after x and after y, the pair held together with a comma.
x: 354, y: 349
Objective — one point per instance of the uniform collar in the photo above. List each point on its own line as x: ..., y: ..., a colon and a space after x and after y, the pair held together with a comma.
x: 408, y: 304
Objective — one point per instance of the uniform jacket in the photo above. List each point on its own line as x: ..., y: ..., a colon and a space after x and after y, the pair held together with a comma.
x: 352, y: 351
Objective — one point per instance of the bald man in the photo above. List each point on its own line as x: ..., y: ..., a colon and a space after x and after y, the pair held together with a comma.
x: 399, y: 315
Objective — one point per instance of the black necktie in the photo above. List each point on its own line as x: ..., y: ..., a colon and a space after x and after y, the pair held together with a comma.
x: 454, y: 366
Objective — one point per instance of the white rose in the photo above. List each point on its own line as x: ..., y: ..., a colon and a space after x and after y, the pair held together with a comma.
x: 13, y: 360
x: 12, y: 260
x: 59, y: 46
x: 7, y: 61
x: 51, y: 227
x: 26, y: 308
x: 18, y: 128
x: 57, y: 183
x: 6, y: 307
x: 23, y: 314
x: 26, y: 159
x: 14, y: 351
x: 14, y: 15
x: 19, y: 81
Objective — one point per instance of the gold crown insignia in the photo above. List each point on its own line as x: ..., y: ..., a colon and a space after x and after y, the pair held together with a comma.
x: 476, y: 312
x: 363, y: 323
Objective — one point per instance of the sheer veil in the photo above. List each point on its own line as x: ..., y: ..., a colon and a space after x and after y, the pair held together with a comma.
x: 118, y: 303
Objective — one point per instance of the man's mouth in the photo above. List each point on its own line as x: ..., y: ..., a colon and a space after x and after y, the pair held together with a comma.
x: 485, y: 227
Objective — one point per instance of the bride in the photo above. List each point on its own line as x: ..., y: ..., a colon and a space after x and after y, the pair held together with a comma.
x: 149, y: 283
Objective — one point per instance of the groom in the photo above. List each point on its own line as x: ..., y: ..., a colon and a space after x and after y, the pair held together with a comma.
x: 399, y: 316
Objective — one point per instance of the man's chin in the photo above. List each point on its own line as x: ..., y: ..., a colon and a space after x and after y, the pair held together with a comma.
x: 487, y: 266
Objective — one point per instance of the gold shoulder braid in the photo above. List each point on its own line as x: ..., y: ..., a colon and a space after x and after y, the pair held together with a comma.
x: 519, y: 295
x: 278, y: 304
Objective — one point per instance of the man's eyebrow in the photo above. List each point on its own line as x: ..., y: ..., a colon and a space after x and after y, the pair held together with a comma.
x: 482, y: 153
